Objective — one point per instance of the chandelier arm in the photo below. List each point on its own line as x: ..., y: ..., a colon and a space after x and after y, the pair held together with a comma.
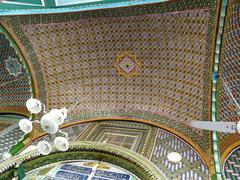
x: 63, y: 133
x: 73, y: 106
x: 36, y: 121
x: 44, y: 108
x: 51, y: 138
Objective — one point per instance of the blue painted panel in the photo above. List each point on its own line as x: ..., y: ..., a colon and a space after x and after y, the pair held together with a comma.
x: 78, y: 169
x: 98, y: 178
x: 112, y: 175
x: 69, y: 175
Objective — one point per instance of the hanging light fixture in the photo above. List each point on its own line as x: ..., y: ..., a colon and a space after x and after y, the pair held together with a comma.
x: 25, y: 125
x: 44, y: 148
x: 34, y: 105
x: 58, y: 115
x: 49, y: 123
x: 61, y: 143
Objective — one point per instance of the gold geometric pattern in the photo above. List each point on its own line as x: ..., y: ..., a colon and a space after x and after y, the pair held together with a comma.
x: 230, y: 75
x: 127, y: 64
x: 77, y: 58
x: 123, y: 140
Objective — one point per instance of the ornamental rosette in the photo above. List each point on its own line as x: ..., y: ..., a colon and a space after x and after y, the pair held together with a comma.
x: 13, y: 66
x: 127, y: 64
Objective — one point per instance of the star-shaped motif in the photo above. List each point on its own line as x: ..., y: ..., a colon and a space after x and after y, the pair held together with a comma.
x: 127, y: 64
x: 13, y: 66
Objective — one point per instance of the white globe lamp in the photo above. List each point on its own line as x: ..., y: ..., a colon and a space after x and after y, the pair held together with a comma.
x: 58, y: 115
x: 61, y: 143
x: 25, y: 125
x: 44, y: 147
x: 34, y: 105
x: 48, y: 124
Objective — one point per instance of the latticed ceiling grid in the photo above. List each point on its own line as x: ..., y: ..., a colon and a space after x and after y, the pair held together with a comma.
x: 77, y: 61
x: 15, y: 87
x: 79, y: 65
x: 230, y: 76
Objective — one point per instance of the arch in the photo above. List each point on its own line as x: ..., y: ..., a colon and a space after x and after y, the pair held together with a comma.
x: 231, y: 162
x: 131, y: 161
x: 230, y: 147
x: 16, y: 44
x: 148, y: 122
x: 28, y: 74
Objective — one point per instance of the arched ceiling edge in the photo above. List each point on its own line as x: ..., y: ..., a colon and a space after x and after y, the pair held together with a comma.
x: 208, y: 160
x: 134, y: 162
x: 26, y: 65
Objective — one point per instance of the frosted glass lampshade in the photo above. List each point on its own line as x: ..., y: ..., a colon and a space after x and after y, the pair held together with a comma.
x: 34, y: 105
x: 58, y: 115
x: 48, y: 124
x: 174, y: 157
x: 44, y: 147
x: 25, y: 125
x: 61, y: 143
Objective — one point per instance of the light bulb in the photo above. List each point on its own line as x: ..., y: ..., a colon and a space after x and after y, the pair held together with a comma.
x: 25, y: 125
x: 48, y: 124
x: 58, y: 115
x: 44, y: 147
x: 174, y: 157
x: 61, y: 143
x: 34, y: 105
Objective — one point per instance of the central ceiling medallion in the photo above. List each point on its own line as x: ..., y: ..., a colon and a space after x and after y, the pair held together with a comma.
x: 127, y: 64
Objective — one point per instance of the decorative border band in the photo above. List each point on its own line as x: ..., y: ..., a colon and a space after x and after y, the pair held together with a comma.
x: 139, y: 164
x: 205, y: 158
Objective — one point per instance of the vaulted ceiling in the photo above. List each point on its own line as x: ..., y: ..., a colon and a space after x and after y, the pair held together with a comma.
x: 151, y: 63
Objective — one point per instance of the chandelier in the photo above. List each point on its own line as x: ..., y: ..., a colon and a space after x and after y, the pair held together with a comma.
x: 49, y: 123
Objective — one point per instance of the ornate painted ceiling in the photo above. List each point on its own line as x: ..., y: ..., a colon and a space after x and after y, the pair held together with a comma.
x: 140, y: 140
x: 14, y: 82
x: 230, y: 76
x: 150, y: 62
